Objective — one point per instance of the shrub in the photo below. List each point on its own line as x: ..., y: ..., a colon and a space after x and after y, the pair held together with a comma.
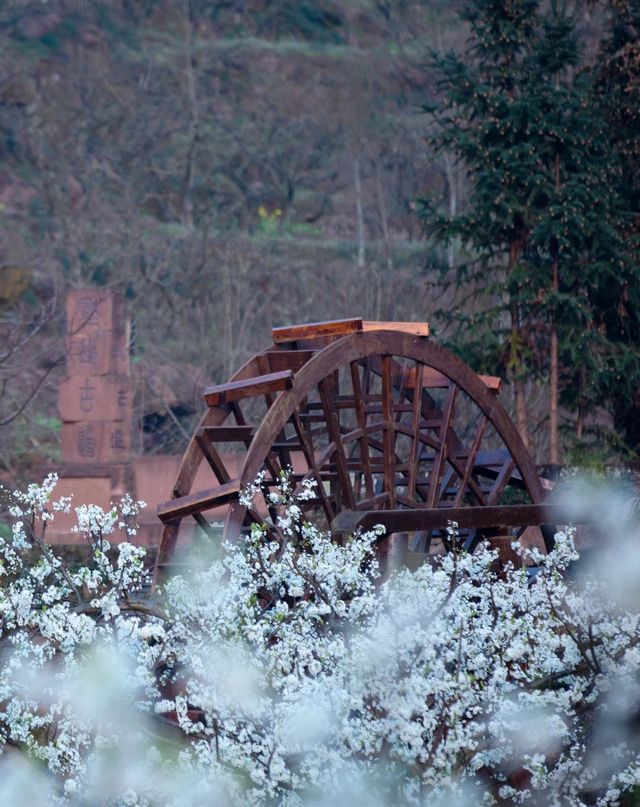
x: 287, y: 671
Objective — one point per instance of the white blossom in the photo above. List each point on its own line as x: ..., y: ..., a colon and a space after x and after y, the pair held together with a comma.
x: 288, y: 671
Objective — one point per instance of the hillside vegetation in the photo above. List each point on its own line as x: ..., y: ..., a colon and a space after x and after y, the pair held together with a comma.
x: 230, y: 166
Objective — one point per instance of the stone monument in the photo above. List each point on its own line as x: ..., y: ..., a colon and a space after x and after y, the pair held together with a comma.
x: 95, y: 403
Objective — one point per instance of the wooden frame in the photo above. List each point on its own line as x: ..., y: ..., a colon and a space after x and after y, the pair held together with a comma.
x: 378, y: 415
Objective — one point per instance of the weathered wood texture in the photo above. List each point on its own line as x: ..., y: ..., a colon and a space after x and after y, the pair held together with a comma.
x: 183, y: 506
x: 314, y: 330
x: 374, y: 415
x: 416, y: 328
x: 422, y: 518
x: 237, y: 390
x: 433, y: 379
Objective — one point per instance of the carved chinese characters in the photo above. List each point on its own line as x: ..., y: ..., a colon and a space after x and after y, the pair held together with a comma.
x: 95, y: 399
x: 94, y: 311
x: 106, y: 397
x: 96, y: 441
x: 97, y: 353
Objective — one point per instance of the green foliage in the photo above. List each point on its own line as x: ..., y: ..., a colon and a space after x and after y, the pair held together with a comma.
x: 48, y: 423
x: 522, y: 116
x: 617, y: 87
x: 269, y: 220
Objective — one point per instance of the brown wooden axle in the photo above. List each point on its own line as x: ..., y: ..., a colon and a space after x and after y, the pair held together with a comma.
x: 422, y: 518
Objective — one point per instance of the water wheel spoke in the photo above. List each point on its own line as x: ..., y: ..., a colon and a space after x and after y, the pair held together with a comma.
x: 362, y: 423
x: 436, y: 471
x: 415, y: 429
x: 389, y: 433
x: 333, y: 430
x: 212, y: 457
x: 307, y: 450
x: 501, y: 481
x: 466, y: 477
x: 204, y: 525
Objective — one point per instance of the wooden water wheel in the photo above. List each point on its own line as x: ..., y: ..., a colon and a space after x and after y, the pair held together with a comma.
x: 394, y: 429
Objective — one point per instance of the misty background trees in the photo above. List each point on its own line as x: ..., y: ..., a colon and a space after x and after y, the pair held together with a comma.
x: 232, y: 166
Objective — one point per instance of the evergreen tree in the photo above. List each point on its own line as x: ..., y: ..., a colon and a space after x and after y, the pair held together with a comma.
x: 482, y: 119
x: 543, y: 224
x: 617, y: 91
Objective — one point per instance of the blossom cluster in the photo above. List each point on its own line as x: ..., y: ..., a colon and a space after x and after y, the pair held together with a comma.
x: 288, y: 670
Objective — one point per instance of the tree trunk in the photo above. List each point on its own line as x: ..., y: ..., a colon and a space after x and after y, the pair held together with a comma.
x: 452, y: 202
x: 385, y: 283
x: 522, y: 419
x: 359, y: 213
x: 554, y: 371
x: 194, y: 126
x: 554, y: 452
x: 580, y: 415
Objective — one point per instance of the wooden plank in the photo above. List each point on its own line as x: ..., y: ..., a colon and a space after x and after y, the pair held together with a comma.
x: 416, y: 328
x: 193, y: 458
x: 415, y: 436
x: 333, y: 430
x: 473, y: 486
x: 212, y: 457
x: 422, y: 437
x: 294, y: 360
x: 376, y: 468
x: 306, y: 417
x: 471, y: 460
x: 230, y: 434
x: 263, y: 366
x: 422, y: 518
x: 358, y: 434
x: 314, y: 330
x: 204, y: 525
x: 490, y: 463
x: 432, y: 379
x: 389, y: 435
x: 198, y: 502
x: 309, y: 454
x: 250, y: 387
x: 502, y: 480
x: 362, y: 423
x: 364, y: 505
x: 492, y: 457
x: 441, y: 456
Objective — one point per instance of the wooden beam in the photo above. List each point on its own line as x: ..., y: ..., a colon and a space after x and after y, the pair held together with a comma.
x: 389, y: 435
x: 471, y: 460
x: 249, y: 387
x: 362, y: 423
x: 309, y: 454
x: 212, y: 457
x: 415, y: 436
x: 198, y: 502
x: 362, y: 506
x: 230, y: 434
x: 280, y: 360
x: 416, y: 328
x: 314, y: 330
x: 432, y: 379
x: 441, y: 454
x: 427, y: 518
x: 333, y: 430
